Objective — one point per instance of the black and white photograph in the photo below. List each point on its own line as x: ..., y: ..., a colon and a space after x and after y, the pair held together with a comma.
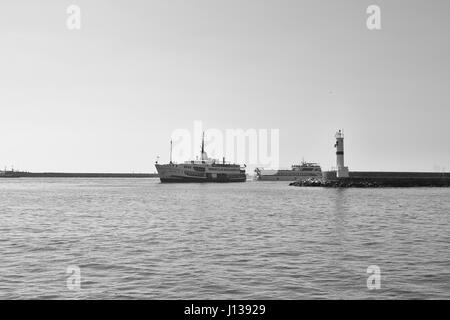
x: 242, y: 152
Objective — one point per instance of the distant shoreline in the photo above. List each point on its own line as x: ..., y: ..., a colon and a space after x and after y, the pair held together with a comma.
x: 19, y: 174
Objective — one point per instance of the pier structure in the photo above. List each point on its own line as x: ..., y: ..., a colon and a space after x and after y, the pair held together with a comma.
x: 342, y: 177
x: 22, y: 174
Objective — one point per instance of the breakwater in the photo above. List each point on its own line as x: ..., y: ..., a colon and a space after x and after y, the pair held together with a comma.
x: 373, y: 179
x: 20, y: 174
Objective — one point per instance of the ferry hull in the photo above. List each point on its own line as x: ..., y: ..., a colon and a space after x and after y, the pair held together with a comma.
x: 284, y: 178
x: 177, y: 173
x: 196, y: 180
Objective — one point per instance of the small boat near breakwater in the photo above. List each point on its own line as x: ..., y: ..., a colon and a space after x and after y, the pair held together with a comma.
x: 8, y: 174
x: 298, y: 172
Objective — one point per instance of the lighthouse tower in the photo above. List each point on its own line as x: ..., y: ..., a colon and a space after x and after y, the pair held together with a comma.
x: 342, y: 170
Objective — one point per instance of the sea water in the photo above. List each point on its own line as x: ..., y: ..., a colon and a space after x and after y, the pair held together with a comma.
x: 140, y: 239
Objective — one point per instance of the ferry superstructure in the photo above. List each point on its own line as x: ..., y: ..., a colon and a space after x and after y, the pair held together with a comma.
x: 202, y: 170
x: 298, y: 172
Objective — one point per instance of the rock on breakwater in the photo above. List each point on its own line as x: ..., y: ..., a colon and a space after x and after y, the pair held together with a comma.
x: 375, y: 182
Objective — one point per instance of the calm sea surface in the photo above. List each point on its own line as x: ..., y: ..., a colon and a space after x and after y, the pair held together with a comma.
x: 137, y: 238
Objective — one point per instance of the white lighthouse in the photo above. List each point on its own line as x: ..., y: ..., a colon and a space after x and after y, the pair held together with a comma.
x: 342, y: 170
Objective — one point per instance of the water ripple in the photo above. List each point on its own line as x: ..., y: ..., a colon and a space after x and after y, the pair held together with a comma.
x: 139, y: 239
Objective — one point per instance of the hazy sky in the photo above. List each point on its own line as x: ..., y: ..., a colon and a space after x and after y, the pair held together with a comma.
x: 106, y: 98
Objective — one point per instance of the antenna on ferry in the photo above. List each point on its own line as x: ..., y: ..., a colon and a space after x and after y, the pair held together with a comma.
x: 203, y: 144
x: 171, y: 151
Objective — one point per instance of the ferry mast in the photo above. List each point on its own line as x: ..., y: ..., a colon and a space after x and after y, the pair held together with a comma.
x: 203, y: 156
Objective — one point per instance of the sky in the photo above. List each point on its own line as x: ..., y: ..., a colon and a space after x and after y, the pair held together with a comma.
x: 107, y: 97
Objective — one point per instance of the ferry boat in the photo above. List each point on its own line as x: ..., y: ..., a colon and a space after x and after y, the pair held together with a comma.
x: 202, y: 170
x: 10, y: 174
x: 298, y: 172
